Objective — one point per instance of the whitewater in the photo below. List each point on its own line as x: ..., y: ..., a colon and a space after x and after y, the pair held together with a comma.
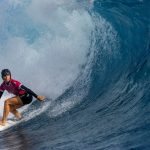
x: 91, y: 59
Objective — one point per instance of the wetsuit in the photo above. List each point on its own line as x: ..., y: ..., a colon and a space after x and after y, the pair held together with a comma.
x: 17, y: 88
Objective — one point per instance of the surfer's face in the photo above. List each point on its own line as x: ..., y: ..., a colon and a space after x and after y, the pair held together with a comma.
x: 6, y: 78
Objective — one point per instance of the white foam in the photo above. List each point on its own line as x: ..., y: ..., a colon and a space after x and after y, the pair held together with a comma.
x: 106, y: 37
x: 50, y: 62
x: 44, y: 43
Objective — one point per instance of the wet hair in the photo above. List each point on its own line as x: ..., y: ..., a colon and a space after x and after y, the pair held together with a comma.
x: 5, y: 72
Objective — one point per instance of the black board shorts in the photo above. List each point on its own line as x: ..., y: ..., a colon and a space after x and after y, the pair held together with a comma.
x: 26, y: 98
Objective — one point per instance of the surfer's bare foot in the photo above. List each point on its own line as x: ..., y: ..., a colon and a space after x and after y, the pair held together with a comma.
x: 2, y: 123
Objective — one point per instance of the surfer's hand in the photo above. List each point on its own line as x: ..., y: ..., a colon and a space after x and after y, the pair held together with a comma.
x: 40, y: 98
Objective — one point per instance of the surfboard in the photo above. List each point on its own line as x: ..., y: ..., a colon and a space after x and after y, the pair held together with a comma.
x: 9, y: 124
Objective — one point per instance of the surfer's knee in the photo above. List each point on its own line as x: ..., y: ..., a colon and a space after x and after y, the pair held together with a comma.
x: 6, y: 102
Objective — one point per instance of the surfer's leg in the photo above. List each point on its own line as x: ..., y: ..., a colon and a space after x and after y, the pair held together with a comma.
x: 14, y: 101
x: 15, y: 112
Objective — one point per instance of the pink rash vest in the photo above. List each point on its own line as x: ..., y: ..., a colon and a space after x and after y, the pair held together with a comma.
x: 13, y: 86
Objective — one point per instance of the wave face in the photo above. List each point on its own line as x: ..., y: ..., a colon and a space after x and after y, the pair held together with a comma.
x: 92, y: 61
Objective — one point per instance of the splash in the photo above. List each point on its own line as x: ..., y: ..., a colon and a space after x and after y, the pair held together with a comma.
x: 44, y: 44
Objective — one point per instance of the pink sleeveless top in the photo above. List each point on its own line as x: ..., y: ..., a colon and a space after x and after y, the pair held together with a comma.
x: 13, y: 87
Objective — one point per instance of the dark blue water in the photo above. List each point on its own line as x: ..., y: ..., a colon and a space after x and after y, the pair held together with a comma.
x: 114, y: 113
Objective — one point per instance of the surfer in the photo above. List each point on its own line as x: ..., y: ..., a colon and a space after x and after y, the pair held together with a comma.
x: 23, y: 95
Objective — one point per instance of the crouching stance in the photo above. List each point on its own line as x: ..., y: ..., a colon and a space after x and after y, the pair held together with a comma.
x: 23, y: 96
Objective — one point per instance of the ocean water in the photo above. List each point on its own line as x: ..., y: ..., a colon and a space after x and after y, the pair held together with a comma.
x: 91, y: 59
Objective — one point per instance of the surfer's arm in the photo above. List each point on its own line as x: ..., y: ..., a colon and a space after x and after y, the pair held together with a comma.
x: 1, y: 90
x: 40, y: 98
x: 29, y: 91
x: 1, y: 93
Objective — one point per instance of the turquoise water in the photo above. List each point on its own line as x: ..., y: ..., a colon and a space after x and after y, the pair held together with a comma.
x: 92, y: 61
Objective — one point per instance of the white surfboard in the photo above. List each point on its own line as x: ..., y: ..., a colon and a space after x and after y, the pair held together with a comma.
x: 9, y: 124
